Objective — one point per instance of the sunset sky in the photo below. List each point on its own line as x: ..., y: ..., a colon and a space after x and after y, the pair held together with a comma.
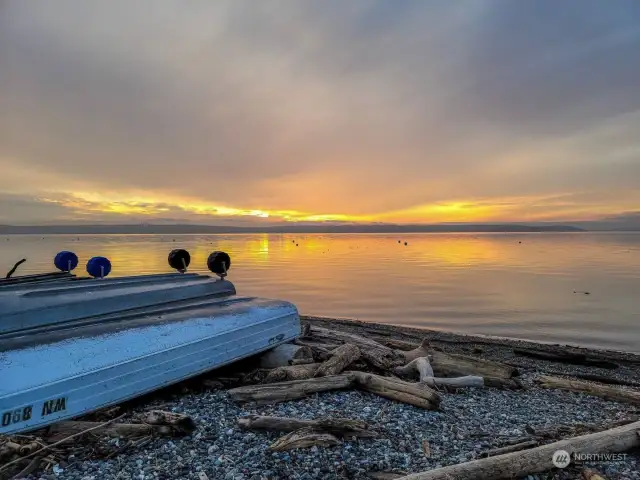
x: 242, y: 111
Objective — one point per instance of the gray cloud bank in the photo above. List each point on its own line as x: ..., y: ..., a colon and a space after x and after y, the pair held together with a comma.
x: 356, y: 107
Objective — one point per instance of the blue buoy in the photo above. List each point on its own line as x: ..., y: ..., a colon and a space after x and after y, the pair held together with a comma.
x: 66, y: 261
x: 98, y: 267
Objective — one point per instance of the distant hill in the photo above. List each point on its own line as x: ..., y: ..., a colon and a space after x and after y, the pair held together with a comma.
x: 291, y: 228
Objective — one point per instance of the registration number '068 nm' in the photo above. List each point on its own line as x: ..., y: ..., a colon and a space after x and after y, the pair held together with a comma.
x: 24, y: 414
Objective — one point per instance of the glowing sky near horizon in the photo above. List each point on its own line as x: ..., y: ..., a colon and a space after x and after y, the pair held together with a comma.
x: 243, y: 112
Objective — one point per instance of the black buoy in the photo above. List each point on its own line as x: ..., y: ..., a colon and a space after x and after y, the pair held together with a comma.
x: 179, y: 259
x: 219, y: 262
x: 405, y: 244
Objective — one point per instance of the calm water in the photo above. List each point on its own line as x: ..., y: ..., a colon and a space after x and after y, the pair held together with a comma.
x: 514, y: 285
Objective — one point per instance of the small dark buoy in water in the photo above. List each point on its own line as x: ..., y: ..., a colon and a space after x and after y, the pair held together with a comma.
x: 519, y: 242
x: 405, y: 244
x: 297, y: 245
x: 398, y: 241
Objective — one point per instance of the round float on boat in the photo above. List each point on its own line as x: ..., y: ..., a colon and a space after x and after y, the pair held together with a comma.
x: 65, y: 261
x: 98, y: 267
x: 219, y: 263
x: 179, y: 259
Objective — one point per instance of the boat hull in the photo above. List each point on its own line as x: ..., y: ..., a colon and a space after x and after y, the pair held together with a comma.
x: 52, y: 376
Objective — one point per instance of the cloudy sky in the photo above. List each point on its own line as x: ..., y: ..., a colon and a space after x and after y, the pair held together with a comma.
x: 243, y: 111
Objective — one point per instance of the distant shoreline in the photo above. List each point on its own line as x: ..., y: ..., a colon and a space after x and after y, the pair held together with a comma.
x: 325, y: 229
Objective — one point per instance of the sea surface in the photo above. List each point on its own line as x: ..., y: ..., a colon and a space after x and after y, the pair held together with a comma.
x: 529, y: 286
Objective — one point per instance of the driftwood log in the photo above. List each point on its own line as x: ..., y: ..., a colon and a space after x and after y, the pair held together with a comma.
x: 283, y: 355
x: 304, y: 438
x: 341, y: 358
x: 516, y: 447
x: 293, y: 372
x: 606, y: 392
x: 570, y: 358
x: 394, y: 389
x: 177, y: 421
x: 448, y: 365
x: 340, y: 427
x: 61, y: 430
x: 536, y: 460
x: 422, y: 366
x: 374, y: 353
x: 591, y: 377
x: 284, y: 391
x: 391, y: 388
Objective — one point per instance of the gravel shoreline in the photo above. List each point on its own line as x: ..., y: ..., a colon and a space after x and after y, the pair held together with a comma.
x: 470, y: 422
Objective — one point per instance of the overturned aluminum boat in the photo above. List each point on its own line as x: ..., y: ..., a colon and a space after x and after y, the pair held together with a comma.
x: 68, y: 348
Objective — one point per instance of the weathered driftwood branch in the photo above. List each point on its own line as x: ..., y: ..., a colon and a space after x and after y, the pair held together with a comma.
x: 609, y: 393
x: 516, y: 447
x: 341, y: 427
x: 397, y: 344
x: 394, y: 389
x: 284, y: 391
x: 301, y: 361
x: 179, y: 422
x: 335, y: 336
x: 313, y: 343
x: 304, y: 438
x: 536, y: 460
x: 555, y: 432
x: 283, y: 355
x: 374, y: 353
x: 420, y: 365
x: 293, y: 372
x: 591, y: 377
x: 570, y: 358
x: 450, y: 365
x: 55, y: 444
x: 31, y: 467
x: 423, y: 350
x: 61, y: 430
x: 8, y: 449
x: 423, y: 367
x: 391, y: 388
x: 341, y: 358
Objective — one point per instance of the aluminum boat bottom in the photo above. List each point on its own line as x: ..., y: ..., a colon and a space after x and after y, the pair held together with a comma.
x: 52, y: 374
